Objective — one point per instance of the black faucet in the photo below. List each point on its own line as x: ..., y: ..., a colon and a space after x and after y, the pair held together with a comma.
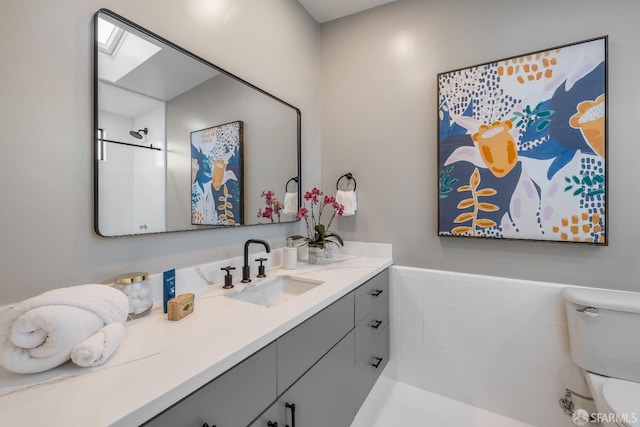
x: 246, y: 273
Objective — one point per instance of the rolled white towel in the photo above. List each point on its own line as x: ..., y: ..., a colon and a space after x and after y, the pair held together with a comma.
x: 99, y: 347
x: 39, y: 333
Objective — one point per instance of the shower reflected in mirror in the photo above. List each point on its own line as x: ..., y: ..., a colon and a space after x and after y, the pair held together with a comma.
x: 138, y: 134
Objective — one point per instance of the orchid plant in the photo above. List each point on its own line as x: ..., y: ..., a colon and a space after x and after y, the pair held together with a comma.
x: 318, y: 235
x: 272, y: 208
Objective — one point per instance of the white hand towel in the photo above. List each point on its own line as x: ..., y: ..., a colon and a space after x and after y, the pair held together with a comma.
x: 39, y: 333
x: 290, y: 203
x: 349, y: 200
x: 99, y: 347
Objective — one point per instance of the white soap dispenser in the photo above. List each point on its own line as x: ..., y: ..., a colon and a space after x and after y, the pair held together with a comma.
x: 290, y: 256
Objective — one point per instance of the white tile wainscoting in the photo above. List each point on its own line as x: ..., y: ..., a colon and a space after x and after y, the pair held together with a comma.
x: 494, y: 343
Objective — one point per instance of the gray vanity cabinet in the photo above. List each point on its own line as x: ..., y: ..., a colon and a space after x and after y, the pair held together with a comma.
x: 325, y: 366
x: 323, y: 396
x: 300, y: 348
x: 233, y: 399
x: 371, y: 333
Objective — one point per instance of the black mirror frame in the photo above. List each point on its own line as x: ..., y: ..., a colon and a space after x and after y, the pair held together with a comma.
x: 197, y: 58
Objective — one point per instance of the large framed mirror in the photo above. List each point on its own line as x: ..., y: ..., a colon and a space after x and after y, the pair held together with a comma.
x: 181, y: 144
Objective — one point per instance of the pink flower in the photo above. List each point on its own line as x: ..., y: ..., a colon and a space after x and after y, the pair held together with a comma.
x: 302, y: 213
x: 329, y: 200
x: 339, y: 207
x: 268, y: 211
x: 313, y: 195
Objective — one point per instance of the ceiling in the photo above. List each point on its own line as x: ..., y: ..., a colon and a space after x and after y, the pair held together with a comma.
x: 327, y: 10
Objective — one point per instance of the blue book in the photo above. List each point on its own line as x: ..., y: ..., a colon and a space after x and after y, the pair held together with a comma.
x: 169, y: 286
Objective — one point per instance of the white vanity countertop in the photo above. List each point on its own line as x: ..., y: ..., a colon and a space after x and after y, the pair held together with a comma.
x: 160, y: 361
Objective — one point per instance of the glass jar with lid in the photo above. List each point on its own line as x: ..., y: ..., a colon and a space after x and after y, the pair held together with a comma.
x: 137, y: 288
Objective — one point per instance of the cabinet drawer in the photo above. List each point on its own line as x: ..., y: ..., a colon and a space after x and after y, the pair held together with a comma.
x: 370, y: 294
x: 304, y: 345
x: 371, y: 326
x: 366, y: 372
x: 233, y: 399
x: 323, y: 396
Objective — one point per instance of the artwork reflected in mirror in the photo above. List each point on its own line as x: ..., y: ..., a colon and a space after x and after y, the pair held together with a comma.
x: 216, y: 174
x: 155, y: 105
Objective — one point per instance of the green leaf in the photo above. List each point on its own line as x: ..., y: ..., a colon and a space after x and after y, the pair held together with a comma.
x: 578, y: 191
x: 454, y: 181
x: 441, y: 174
x: 595, y: 192
x: 446, y: 190
x: 566, y: 178
x: 576, y: 180
x: 320, y: 231
x: 599, y: 179
x: 446, y: 180
x: 527, y: 109
x: 518, y: 114
x: 567, y: 188
x: 587, y: 180
x: 519, y: 123
x: 338, y: 238
x: 449, y: 169
x: 545, y: 113
x: 543, y: 125
x: 530, y: 123
x: 538, y: 106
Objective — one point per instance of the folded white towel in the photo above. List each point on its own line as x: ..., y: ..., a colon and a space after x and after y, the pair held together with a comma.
x: 349, y: 200
x: 99, y: 347
x: 290, y: 203
x: 41, y: 332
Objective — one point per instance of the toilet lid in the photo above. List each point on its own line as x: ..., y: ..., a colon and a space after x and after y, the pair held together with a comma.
x: 622, y: 398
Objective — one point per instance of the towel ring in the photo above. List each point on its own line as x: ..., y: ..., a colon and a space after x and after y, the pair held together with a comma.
x: 349, y: 177
x: 286, y: 186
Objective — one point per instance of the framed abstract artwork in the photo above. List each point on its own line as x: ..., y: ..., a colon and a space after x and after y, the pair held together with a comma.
x: 216, y: 175
x: 522, y: 146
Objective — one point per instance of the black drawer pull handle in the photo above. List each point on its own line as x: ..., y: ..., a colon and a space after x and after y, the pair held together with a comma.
x: 272, y: 424
x: 207, y: 425
x: 377, y: 292
x: 376, y: 324
x: 378, y: 362
x: 292, y: 406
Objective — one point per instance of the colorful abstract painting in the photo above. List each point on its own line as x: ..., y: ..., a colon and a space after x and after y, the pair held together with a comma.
x: 216, y: 175
x: 522, y: 147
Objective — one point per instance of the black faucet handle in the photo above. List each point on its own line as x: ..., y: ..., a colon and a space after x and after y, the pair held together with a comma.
x: 228, y: 279
x: 261, y: 272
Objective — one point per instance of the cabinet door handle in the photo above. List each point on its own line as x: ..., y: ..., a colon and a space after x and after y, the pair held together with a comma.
x: 377, y: 292
x: 272, y: 424
x: 376, y: 324
x: 292, y: 406
x: 207, y: 425
x: 377, y: 363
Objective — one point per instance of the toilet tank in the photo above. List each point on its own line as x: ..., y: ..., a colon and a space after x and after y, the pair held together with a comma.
x: 604, y: 331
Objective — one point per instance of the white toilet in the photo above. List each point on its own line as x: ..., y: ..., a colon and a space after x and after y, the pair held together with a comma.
x: 604, y: 334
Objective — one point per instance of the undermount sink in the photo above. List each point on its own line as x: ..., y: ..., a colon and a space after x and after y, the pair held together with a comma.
x: 269, y: 293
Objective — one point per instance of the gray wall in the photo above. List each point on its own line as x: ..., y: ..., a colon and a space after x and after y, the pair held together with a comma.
x: 46, y: 211
x: 378, y: 120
